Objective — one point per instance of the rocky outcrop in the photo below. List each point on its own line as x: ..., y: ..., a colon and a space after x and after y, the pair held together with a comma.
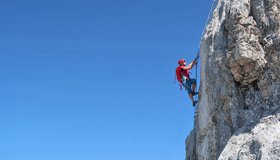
x: 238, y: 115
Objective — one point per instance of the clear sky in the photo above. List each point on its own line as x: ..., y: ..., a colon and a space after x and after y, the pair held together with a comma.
x: 93, y: 79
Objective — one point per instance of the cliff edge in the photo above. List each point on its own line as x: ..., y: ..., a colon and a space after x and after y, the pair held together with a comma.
x: 238, y: 114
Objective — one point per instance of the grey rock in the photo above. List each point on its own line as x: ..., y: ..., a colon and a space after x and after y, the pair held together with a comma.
x: 238, y: 114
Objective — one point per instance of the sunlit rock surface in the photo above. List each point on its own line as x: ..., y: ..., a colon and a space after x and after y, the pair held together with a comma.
x: 238, y: 115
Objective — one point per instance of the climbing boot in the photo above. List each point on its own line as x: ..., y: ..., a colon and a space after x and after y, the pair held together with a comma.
x: 194, y: 93
x: 194, y: 103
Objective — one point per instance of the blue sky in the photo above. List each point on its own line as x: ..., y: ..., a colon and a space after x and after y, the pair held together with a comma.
x: 93, y: 80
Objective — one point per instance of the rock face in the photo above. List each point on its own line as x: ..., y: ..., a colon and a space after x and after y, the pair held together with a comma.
x: 238, y: 115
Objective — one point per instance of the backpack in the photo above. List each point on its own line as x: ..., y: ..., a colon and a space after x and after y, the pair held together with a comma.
x: 179, y: 74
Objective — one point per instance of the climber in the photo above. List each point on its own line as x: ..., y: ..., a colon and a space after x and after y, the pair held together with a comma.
x: 183, y: 77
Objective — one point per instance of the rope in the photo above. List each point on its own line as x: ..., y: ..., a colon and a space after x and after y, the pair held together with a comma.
x: 175, y: 78
x: 197, y: 56
x: 214, y: 3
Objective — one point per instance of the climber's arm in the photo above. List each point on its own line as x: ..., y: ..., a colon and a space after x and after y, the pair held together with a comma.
x: 190, y: 66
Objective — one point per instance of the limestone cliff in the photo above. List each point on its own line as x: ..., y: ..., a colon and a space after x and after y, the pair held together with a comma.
x: 238, y: 114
